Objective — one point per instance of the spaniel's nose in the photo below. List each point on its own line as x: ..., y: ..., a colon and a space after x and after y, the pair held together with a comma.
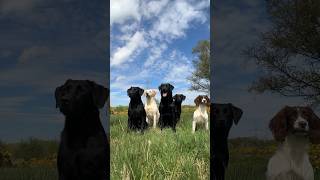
x: 302, y: 124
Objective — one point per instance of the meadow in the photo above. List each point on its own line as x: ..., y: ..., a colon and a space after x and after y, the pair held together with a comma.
x: 152, y: 155
x: 156, y: 154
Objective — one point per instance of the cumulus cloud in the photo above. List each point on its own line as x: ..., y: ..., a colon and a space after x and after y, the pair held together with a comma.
x: 132, y: 45
x: 34, y: 52
x: 16, y: 6
x: 168, y: 20
x: 122, y: 10
x: 174, y: 21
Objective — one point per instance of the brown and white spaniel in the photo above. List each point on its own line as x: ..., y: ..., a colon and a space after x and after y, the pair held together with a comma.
x: 294, y: 128
x: 200, y: 115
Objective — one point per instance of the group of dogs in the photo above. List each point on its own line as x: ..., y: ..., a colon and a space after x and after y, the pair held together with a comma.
x: 84, y: 150
x: 168, y: 114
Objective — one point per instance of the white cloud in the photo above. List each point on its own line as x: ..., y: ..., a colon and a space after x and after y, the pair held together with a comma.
x: 34, y: 52
x: 122, y: 54
x: 155, y: 53
x: 122, y: 10
x: 153, y: 8
x: 12, y: 6
x: 176, y: 19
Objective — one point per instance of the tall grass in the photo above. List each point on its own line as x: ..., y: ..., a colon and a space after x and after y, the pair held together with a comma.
x: 159, y: 155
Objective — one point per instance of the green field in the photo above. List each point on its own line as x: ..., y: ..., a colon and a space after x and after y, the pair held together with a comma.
x: 183, y: 155
x: 152, y: 155
x: 159, y: 155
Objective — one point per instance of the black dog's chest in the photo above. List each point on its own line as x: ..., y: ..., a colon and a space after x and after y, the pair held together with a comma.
x: 136, y: 110
x: 82, y: 159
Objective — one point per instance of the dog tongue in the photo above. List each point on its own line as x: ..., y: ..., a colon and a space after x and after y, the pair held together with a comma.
x: 164, y: 94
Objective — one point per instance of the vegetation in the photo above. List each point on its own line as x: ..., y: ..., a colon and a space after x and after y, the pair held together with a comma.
x: 153, y: 155
x: 200, y: 78
x: 289, y: 52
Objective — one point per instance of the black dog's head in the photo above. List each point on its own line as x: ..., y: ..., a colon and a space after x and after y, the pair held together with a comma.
x: 166, y: 90
x: 135, y: 92
x: 178, y: 98
x: 224, y: 115
x: 76, y: 96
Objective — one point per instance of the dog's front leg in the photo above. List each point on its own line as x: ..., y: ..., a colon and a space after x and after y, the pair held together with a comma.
x: 207, y: 125
x: 193, y: 126
x: 155, y: 121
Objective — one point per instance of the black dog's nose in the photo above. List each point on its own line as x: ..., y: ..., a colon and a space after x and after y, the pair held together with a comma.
x: 64, y: 100
x: 302, y: 124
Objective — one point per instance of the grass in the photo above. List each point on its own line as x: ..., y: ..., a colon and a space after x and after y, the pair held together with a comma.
x: 29, y: 173
x: 153, y: 155
x: 159, y: 155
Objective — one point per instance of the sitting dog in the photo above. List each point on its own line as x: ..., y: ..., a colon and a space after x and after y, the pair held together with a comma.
x: 222, y: 117
x: 293, y: 127
x: 177, y: 99
x: 151, y: 107
x: 136, y: 112
x: 200, y: 115
x: 167, y: 107
x: 84, y: 149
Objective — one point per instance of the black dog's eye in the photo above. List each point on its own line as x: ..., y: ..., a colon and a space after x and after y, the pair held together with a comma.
x: 67, y: 87
x: 216, y: 111
x: 225, y: 111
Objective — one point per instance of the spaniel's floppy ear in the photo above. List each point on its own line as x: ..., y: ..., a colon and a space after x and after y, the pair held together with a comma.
x: 314, y: 124
x: 237, y: 113
x: 171, y: 87
x: 208, y: 100
x: 197, y: 100
x: 141, y: 91
x: 57, y: 96
x: 278, y: 124
x: 100, y: 94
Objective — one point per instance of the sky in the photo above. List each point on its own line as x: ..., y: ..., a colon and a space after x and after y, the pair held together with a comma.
x: 43, y: 43
x: 151, y: 43
x: 237, y: 25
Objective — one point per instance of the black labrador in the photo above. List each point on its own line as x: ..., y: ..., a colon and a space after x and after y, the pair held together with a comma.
x: 136, y: 111
x: 222, y: 116
x: 167, y: 107
x: 84, y: 148
x: 177, y: 99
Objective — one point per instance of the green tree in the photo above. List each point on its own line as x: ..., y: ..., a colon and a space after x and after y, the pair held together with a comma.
x: 289, y: 53
x: 200, y: 78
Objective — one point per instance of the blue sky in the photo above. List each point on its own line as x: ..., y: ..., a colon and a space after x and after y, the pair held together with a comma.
x: 151, y: 43
x: 43, y: 43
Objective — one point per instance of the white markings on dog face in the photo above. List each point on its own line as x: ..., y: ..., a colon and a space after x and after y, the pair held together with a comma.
x: 301, y: 122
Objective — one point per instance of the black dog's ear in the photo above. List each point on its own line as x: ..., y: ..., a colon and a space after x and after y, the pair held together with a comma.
x: 128, y: 91
x: 100, y: 95
x: 237, y: 113
x: 174, y: 97
x: 171, y: 87
x: 141, y: 91
x: 57, y: 96
x: 183, y: 97
x: 160, y: 87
